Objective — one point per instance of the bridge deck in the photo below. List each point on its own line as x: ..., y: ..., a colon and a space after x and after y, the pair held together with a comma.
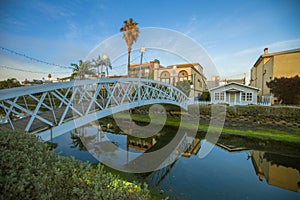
x: 20, y: 124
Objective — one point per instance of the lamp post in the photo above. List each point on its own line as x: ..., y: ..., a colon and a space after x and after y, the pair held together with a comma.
x: 142, y: 53
x: 140, y: 74
x: 174, y: 74
x: 104, y: 62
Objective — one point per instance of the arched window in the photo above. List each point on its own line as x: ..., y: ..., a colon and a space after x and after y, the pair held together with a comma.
x: 183, y: 75
x: 165, y: 77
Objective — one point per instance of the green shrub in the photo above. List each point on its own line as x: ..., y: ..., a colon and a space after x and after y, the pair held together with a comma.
x: 29, y: 170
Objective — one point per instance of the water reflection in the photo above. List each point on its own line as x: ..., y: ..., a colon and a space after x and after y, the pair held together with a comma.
x: 128, y: 152
x: 253, y: 173
x: 141, y: 144
x: 268, y: 166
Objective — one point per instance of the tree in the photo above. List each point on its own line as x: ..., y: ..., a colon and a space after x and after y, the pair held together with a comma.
x: 81, y: 69
x: 286, y: 89
x: 205, y: 96
x: 130, y: 34
x: 104, y: 61
x: 9, y: 83
x: 184, y: 86
x: 49, y: 76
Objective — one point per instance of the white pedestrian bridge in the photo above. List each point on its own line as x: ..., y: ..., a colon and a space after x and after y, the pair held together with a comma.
x: 50, y: 110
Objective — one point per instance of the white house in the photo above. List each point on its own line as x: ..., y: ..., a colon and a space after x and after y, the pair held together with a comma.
x: 234, y: 93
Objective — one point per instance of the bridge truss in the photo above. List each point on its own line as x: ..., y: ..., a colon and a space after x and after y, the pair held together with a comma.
x: 52, y: 109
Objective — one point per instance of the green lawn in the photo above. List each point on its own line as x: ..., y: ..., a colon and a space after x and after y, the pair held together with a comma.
x: 290, y: 134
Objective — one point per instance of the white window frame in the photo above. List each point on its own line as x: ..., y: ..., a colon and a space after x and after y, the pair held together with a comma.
x: 222, y: 96
x: 247, y: 96
x: 165, y: 80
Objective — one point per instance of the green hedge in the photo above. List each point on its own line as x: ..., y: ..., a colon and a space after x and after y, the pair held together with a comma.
x: 29, y: 170
x: 252, y: 111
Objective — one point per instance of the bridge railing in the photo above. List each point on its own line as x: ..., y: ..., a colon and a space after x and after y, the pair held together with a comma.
x: 33, y: 108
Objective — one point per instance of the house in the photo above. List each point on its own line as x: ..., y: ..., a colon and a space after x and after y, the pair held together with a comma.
x: 234, y: 94
x: 274, y: 65
x: 147, y: 69
x: 65, y: 79
x: 192, y: 72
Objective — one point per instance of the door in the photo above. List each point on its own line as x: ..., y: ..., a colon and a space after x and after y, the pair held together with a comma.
x: 232, y: 98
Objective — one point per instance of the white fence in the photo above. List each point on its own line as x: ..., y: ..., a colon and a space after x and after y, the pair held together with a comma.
x: 231, y: 104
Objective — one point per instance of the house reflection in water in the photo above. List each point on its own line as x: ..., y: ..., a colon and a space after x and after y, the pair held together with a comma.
x: 145, y: 144
x: 271, y: 167
x: 140, y: 144
x: 192, y: 148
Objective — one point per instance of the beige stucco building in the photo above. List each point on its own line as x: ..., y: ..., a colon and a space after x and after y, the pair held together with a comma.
x: 192, y: 72
x: 274, y: 65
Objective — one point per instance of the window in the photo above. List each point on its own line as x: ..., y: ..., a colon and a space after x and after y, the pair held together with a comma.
x: 165, y: 80
x: 183, y: 75
x: 165, y: 77
x: 200, y: 83
x: 217, y: 96
x: 220, y: 96
x: 247, y: 96
x: 146, y: 72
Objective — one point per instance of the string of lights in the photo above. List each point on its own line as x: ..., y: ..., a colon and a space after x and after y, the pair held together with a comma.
x: 33, y: 59
x: 30, y: 71
x: 47, y: 63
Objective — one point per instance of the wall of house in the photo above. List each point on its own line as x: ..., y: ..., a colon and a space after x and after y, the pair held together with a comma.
x: 147, y: 70
x: 199, y: 82
x: 256, y: 80
x: 287, y: 65
x: 284, y: 65
x: 266, y: 76
x: 260, y: 74
x: 193, y: 75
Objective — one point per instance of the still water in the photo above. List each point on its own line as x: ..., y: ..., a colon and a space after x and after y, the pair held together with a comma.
x: 228, y: 172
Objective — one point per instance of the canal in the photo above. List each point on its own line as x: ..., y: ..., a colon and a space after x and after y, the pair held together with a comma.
x: 229, y: 171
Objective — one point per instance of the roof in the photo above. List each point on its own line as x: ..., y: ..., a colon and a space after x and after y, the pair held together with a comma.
x: 242, y: 80
x: 275, y: 54
x: 185, y: 65
x: 138, y: 64
x: 234, y: 83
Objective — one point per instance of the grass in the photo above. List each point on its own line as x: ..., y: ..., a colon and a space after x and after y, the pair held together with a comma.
x: 289, y: 135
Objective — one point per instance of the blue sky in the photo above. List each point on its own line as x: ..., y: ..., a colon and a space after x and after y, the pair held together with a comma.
x: 232, y: 32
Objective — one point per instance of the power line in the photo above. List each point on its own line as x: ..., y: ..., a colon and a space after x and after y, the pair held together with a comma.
x: 34, y: 59
x: 29, y: 71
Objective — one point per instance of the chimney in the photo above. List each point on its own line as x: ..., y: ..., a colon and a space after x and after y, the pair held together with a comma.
x: 265, y: 51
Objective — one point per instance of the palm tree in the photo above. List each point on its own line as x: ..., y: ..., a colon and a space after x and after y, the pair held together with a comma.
x: 104, y: 61
x: 81, y: 69
x: 107, y: 64
x: 130, y: 34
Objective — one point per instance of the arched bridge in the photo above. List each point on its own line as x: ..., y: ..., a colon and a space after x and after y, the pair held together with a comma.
x: 50, y: 110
